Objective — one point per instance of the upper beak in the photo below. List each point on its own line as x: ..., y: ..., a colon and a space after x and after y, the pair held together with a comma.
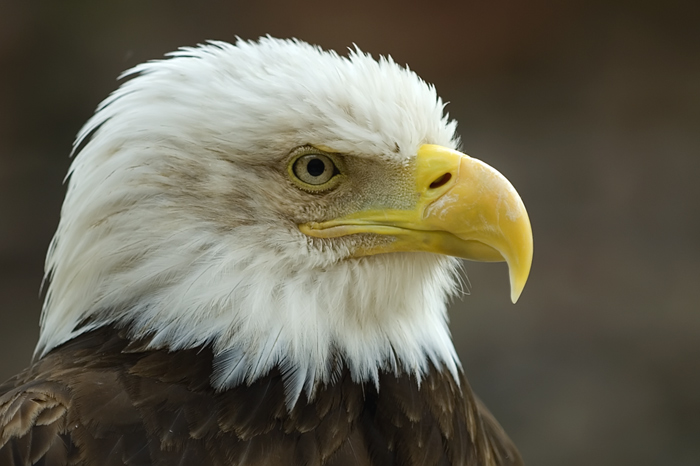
x: 465, y: 208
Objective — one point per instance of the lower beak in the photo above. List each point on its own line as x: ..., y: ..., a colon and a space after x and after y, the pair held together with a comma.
x: 465, y: 208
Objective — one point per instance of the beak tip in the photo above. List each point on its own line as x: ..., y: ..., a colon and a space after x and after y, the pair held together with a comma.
x: 519, y: 264
x: 517, y: 284
x: 515, y: 295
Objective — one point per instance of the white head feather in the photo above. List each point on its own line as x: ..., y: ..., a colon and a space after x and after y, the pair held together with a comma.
x: 179, y: 223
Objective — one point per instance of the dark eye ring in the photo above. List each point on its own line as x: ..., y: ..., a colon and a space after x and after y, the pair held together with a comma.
x: 314, y: 169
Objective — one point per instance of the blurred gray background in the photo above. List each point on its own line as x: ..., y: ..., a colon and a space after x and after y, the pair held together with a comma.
x: 590, y: 108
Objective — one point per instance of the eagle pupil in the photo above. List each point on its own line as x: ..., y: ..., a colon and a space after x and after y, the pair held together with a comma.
x: 316, y: 167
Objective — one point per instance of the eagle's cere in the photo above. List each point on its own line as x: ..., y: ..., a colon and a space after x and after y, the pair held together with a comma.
x: 252, y: 231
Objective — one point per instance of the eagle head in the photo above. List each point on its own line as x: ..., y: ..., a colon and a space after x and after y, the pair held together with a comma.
x: 285, y: 205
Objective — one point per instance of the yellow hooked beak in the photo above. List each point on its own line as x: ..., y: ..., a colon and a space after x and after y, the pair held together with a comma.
x: 464, y: 209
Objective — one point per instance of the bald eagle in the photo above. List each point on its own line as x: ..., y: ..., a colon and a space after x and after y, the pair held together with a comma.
x: 252, y: 266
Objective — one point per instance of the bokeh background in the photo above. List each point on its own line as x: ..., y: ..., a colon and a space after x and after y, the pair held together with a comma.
x: 590, y: 108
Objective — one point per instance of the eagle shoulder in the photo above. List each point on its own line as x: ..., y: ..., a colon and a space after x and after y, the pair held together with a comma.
x: 33, y: 424
x: 70, y: 408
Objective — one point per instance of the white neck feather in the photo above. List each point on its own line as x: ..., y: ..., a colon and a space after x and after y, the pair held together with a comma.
x: 378, y: 313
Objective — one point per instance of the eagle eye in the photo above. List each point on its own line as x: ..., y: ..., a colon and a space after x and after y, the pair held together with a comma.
x: 314, y: 171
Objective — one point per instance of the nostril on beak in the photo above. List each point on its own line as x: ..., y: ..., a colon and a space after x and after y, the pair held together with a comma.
x: 441, y: 181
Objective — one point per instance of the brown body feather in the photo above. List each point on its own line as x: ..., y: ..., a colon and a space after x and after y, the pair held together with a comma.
x: 101, y: 400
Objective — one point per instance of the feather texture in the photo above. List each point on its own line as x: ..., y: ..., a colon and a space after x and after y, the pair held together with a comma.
x: 96, y: 400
